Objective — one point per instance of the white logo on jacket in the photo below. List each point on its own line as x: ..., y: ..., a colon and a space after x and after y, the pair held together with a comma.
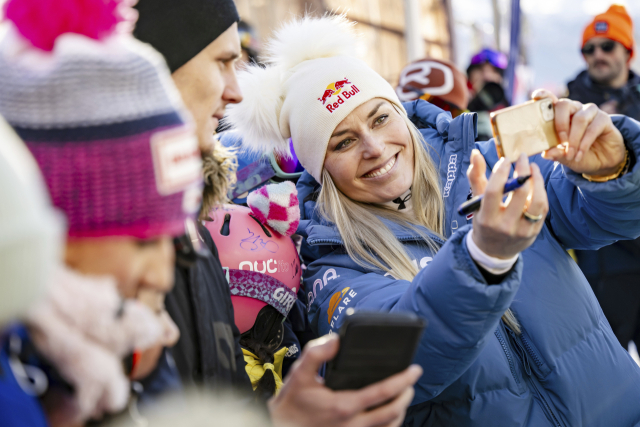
x: 330, y: 274
x: 451, y: 175
x: 292, y: 351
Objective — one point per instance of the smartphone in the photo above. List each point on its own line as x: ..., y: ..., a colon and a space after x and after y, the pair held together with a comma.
x: 373, y: 346
x: 526, y: 128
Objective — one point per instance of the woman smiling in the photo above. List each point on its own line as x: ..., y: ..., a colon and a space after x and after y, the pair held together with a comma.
x: 515, y: 336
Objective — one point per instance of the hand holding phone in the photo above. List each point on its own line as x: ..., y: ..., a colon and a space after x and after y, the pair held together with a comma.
x: 590, y: 143
x: 526, y: 128
x: 581, y: 137
x: 306, y: 401
x: 373, y: 346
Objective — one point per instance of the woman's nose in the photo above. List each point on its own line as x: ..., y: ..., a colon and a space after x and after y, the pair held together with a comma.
x: 373, y: 147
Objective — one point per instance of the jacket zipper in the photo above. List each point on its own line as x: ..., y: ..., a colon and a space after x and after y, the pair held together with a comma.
x: 530, y: 351
x: 402, y: 239
x: 505, y: 347
x: 524, y: 355
x: 322, y: 241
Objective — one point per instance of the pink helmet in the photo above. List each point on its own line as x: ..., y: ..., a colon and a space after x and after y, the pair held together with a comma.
x: 263, y: 264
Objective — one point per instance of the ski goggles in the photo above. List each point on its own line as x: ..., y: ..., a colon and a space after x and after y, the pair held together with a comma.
x: 497, y: 59
x: 287, y: 165
x: 267, y: 167
x: 606, y: 47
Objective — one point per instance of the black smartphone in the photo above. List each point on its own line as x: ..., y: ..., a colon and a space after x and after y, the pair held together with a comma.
x: 373, y: 346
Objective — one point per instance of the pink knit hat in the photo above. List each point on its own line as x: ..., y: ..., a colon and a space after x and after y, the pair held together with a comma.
x: 102, y: 117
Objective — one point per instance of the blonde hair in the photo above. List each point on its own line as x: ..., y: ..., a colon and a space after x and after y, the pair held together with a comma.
x: 368, y: 241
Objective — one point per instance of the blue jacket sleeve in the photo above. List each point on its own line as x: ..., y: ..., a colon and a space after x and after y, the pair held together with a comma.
x: 450, y: 292
x: 590, y: 215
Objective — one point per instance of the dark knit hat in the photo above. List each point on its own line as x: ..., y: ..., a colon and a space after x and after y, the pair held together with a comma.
x: 180, y: 29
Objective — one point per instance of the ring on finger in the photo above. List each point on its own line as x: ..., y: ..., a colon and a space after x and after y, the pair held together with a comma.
x: 531, y: 218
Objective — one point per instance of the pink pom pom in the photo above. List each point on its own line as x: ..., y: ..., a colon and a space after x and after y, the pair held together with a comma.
x: 42, y: 21
x: 276, y: 205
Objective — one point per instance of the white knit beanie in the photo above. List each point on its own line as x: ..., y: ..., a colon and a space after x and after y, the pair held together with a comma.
x: 311, y: 84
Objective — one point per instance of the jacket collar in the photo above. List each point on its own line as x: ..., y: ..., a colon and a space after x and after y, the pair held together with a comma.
x: 585, y: 81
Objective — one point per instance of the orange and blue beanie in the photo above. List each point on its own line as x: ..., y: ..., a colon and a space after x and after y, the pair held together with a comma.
x: 614, y: 24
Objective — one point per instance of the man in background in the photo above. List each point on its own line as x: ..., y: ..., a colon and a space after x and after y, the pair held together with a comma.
x: 608, y: 81
x: 486, y: 74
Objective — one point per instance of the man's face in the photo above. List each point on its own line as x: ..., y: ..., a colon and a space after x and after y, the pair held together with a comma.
x: 604, y: 67
x: 208, y: 83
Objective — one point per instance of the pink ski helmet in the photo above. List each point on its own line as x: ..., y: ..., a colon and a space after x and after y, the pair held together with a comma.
x: 263, y: 264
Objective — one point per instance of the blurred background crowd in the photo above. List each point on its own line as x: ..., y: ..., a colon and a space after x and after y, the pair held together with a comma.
x: 549, y: 32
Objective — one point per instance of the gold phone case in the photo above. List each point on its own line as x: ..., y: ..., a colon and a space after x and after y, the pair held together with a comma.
x: 527, y: 128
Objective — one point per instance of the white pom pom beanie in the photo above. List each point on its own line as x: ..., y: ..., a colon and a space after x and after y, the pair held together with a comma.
x: 311, y: 84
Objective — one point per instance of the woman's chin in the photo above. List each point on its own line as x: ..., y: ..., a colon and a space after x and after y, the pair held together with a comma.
x: 392, y: 189
x: 378, y: 195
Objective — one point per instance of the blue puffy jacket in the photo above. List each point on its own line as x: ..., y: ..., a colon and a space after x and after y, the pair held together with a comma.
x: 566, y: 368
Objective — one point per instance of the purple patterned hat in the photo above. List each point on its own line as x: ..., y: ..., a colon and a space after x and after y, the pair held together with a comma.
x: 268, y: 289
x: 108, y: 129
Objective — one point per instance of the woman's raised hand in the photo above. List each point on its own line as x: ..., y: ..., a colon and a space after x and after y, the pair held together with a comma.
x: 590, y: 143
x: 500, y: 229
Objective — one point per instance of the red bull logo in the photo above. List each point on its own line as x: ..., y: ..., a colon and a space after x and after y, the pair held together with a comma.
x: 340, y: 92
x: 328, y: 93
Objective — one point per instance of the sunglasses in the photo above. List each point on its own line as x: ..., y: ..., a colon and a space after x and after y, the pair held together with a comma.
x: 606, y: 47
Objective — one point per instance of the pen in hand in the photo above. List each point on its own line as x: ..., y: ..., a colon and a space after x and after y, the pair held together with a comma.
x: 473, y: 204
